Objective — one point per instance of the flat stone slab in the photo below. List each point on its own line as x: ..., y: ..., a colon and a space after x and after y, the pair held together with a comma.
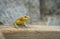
x: 31, y: 32
x: 8, y: 28
x: 1, y: 36
x: 33, y: 35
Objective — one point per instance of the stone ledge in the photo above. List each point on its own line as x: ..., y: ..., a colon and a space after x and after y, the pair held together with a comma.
x: 31, y: 32
x: 30, y: 28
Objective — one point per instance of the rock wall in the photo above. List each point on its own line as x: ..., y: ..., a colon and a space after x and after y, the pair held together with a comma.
x: 10, y: 10
x: 54, y: 21
x: 53, y: 7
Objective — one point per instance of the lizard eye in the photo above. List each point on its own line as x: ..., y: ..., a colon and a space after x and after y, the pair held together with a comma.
x: 25, y: 16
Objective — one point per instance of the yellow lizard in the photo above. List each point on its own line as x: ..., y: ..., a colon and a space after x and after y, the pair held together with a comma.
x: 20, y: 21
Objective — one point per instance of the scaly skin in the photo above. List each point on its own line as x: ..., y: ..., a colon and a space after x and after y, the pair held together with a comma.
x: 20, y: 21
